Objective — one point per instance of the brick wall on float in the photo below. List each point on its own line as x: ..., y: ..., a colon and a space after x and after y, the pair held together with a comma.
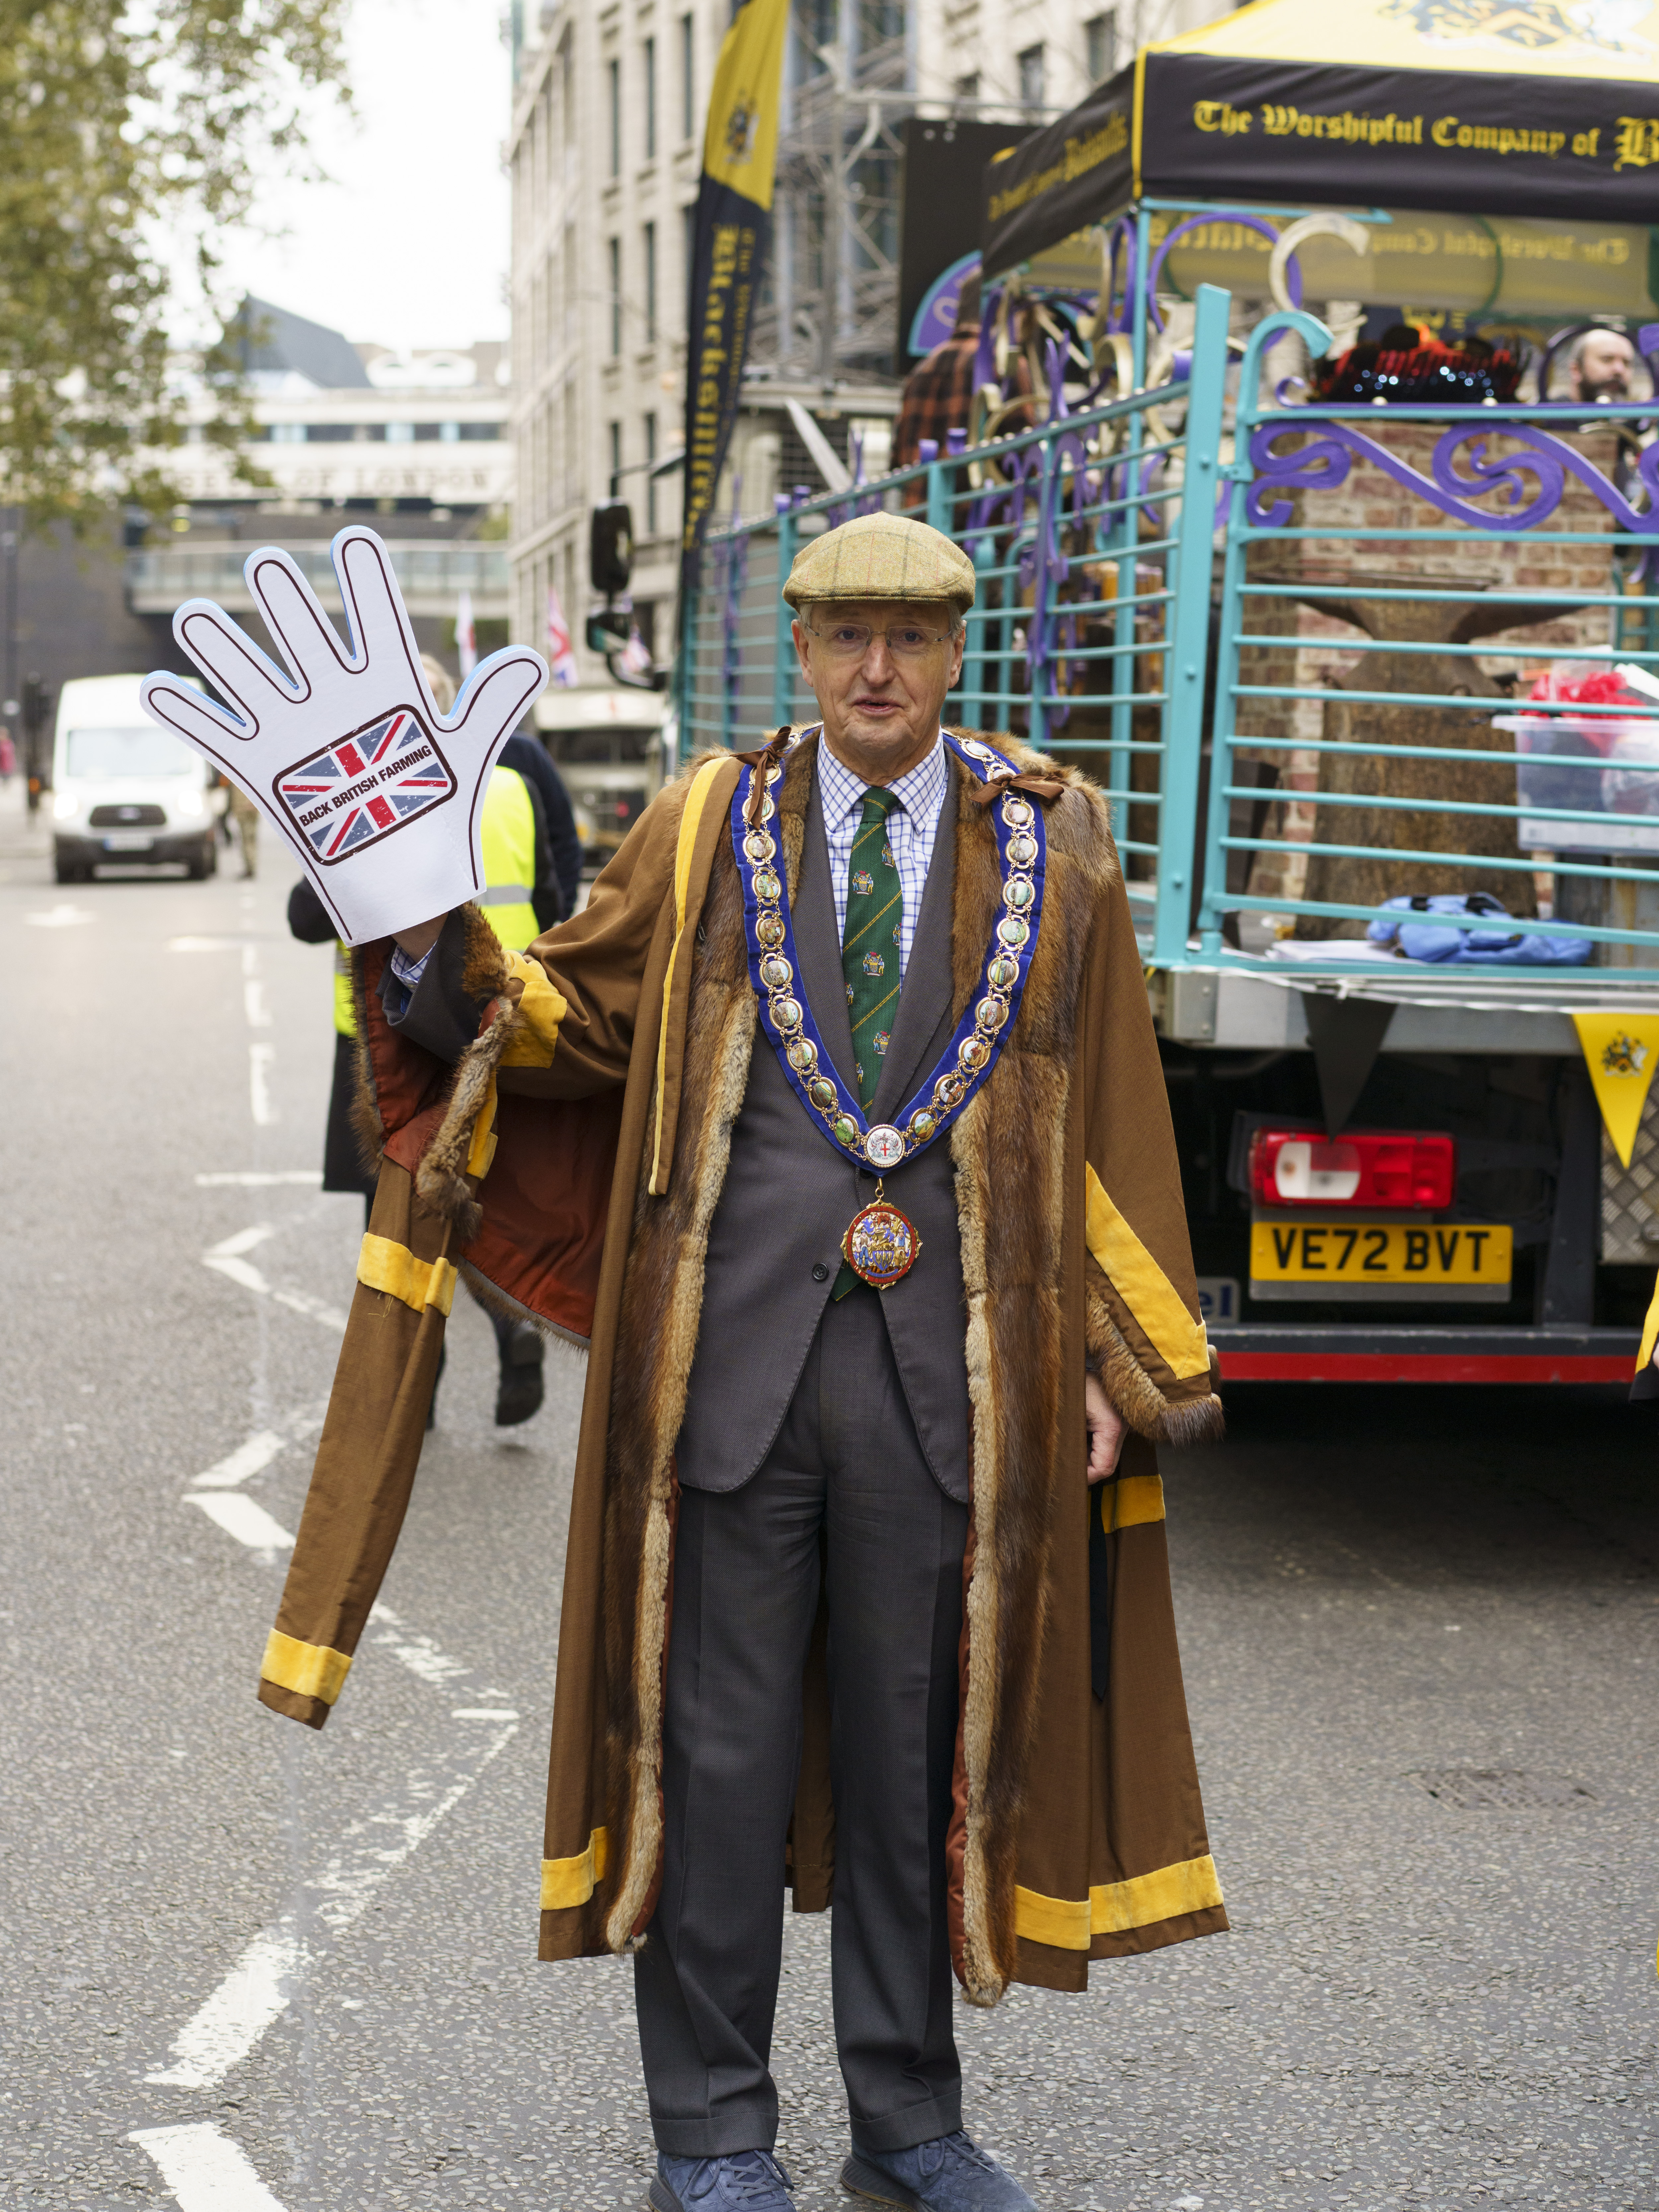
x: 1333, y: 568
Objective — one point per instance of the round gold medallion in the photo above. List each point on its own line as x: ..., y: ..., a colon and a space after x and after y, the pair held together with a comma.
x: 880, y: 1245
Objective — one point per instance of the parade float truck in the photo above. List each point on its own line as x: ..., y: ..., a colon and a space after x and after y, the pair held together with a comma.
x: 1356, y: 626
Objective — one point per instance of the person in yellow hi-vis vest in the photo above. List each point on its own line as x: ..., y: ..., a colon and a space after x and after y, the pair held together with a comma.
x: 522, y: 897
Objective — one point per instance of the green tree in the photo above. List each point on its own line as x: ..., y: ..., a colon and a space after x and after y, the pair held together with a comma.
x: 125, y: 129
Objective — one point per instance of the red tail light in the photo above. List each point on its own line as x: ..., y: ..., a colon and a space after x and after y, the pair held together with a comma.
x: 1414, y: 1168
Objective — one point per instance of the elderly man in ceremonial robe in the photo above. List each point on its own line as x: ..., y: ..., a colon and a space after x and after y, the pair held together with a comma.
x: 834, y: 1126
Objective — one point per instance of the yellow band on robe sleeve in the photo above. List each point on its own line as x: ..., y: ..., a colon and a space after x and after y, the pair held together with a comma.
x: 571, y: 1881
x: 541, y: 1008
x: 310, y: 1670
x: 690, y: 820
x: 1151, y: 1298
x: 394, y: 1268
x: 1112, y: 1908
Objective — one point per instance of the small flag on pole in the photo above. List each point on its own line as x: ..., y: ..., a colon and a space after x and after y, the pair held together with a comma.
x: 466, y: 643
x: 560, y: 653
x: 635, y: 659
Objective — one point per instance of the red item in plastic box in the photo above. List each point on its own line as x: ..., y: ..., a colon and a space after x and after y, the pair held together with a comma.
x: 1594, y: 691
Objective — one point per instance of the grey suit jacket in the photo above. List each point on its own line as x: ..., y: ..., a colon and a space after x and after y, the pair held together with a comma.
x: 775, y: 1240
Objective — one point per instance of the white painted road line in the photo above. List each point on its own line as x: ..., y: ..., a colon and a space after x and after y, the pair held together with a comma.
x: 260, y: 1059
x: 262, y: 1983
x: 253, y: 1005
x: 207, y: 944
x: 418, y: 1653
x: 259, y: 1181
x: 253, y: 1993
x: 482, y: 1713
x: 243, y: 1241
x: 242, y: 1517
x: 226, y: 1259
x: 247, y: 1459
x: 205, y: 2171
x: 59, y: 917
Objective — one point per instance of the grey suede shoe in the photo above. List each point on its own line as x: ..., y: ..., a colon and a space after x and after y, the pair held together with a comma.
x: 742, y: 2181
x: 949, y: 2174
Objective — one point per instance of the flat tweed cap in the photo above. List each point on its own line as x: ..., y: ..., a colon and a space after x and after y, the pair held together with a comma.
x: 881, y: 556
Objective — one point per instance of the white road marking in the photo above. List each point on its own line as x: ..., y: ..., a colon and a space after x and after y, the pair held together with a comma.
x: 60, y: 917
x: 418, y: 1653
x: 206, y: 944
x: 481, y: 1713
x: 247, y: 1459
x: 253, y: 1993
x: 258, y: 1179
x: 243, y: 1241
x: 205, y: 2171
x: 260, y: 1059
x: 242, y: 1517
x: 264, y: 1979
x: 226, y: 1259
x: 253, y: 1005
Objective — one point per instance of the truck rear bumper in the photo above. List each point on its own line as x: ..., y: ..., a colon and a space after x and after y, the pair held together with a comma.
x: 1258, y: 1352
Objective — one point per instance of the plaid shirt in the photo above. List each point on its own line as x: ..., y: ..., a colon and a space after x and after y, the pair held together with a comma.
x: 912, y: 827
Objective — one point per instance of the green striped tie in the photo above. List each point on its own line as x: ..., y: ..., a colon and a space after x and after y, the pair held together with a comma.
x: 869, y: 953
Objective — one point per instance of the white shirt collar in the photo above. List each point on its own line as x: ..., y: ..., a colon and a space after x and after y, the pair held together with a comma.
x: 920, y: 790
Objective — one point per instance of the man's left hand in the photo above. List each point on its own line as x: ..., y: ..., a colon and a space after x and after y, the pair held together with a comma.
x: 1106, y: 1430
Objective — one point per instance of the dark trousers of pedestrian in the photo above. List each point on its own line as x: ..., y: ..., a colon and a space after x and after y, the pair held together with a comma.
x: 847, y: 1467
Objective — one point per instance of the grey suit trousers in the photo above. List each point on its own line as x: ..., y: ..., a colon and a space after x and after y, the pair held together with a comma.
x: 844, y: 1489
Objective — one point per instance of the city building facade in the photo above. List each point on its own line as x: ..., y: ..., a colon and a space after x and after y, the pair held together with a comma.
x: 604, y: 149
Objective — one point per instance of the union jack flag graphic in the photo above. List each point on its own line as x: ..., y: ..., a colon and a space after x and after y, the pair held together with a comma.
x: 365, y: 786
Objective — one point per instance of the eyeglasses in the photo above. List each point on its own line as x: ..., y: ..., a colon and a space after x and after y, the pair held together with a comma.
x: 852, y: 640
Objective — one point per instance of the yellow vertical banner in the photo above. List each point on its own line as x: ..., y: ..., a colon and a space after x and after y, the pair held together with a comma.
x: 732, y: 236
x: 1621, y: 1051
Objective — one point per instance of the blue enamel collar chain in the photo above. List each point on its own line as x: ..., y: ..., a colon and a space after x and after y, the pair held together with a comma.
x: 881, y: 1245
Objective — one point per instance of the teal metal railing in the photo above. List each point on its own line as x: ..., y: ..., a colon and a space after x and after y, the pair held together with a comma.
x: 1582, y: 786
x: 1090, y: 536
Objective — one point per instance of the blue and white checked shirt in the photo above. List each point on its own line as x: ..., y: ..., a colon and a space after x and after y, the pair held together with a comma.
x: 912, y: 827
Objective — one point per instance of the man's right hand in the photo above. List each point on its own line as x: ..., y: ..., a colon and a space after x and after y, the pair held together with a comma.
x: 414, y: 944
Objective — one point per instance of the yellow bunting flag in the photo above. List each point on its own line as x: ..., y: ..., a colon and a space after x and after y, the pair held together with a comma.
x: 1621, y: 1051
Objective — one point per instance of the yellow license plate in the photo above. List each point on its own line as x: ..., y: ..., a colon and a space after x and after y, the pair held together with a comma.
x: 1361, y: 1252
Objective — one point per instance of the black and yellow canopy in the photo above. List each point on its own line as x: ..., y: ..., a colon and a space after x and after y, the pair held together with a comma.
x: 1529, y: 108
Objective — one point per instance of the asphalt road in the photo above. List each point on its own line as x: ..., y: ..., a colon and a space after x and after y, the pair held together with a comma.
x: 249, y: 1966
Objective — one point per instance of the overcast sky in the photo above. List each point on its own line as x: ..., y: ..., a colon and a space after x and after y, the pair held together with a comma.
x: 409, y: 245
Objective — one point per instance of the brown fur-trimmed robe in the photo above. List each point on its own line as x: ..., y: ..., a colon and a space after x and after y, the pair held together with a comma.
x: 623, y: 1042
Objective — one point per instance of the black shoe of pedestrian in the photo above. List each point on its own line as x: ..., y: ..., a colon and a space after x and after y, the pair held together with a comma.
x: 520, y: 1392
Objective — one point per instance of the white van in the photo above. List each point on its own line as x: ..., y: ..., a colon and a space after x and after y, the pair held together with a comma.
x: 123, y: 789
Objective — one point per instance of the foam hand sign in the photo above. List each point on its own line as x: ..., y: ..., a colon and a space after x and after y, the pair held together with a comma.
x: 380, y: 795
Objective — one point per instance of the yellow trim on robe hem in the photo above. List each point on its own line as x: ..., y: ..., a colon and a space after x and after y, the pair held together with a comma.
x: 1131, y: 1499
x: 542, y: 1008
x: 394, y: 1268
x: 310, y: 1670
x: 691, y: 821
x: 566, y: 1882
x: 1649, y: 1330
x: 1111, y: 1908
x: 1151, y: 1298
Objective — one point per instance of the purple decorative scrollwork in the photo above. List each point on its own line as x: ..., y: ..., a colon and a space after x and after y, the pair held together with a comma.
x: 1526, y: 486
